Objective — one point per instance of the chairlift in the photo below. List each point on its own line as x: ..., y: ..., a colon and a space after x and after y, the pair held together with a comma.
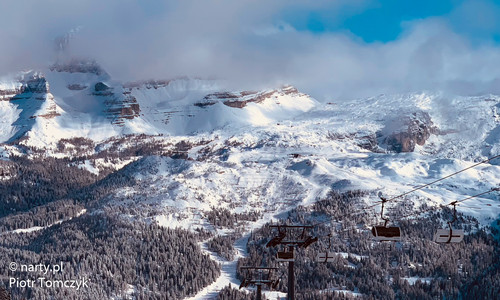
x: 449, y: 235
x: 285, y: 256
x: 327, y: 256
x: 384, y: 233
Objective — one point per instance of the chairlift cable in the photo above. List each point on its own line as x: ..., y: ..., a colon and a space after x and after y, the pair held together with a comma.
x: 471, y: 197
x: 423, y: 186
x: 438, y: 180
x: 450, y: 204
x: 408, y: 215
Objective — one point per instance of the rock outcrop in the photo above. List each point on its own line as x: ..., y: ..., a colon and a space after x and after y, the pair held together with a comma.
x: 121, y: 109
x: 118, y: 107
x: 241, y: 99
x: 8, y: 94
x: 79, y: 66
x: 418, y: 127
x: 36, y: 84
x: 29, y: 84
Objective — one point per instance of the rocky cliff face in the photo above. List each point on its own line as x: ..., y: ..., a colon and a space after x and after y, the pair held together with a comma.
x: 122, y: 108
x: 29, y: 84
x: 51, y: 110
x: 8, y: 94
x: 149, y: 84
x: 36, y: 84
x: 241, y: 99
x: 79, y: 66
x: 118, y: 107
x: 418, y: 127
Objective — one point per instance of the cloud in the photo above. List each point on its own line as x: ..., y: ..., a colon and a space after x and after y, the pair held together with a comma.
x: 248, y: 44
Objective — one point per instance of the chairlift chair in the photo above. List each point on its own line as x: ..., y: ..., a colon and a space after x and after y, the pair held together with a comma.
x: 384, y: 233
x: 284, y: 256
x: 327, y: 256
x: 449, y: 235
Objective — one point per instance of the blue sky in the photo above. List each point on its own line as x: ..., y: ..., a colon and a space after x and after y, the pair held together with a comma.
x: 383, y: 20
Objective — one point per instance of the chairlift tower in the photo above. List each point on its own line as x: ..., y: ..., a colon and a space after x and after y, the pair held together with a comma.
x: 287, y: 238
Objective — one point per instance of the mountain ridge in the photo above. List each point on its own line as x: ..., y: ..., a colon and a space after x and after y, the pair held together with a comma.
x: 84, y: 99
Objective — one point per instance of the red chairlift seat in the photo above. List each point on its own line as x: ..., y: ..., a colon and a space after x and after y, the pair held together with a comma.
x: 285, y: 256
x: 382, y: 233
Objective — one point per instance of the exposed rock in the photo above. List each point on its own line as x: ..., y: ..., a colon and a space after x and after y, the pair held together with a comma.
x: 76, y: 87
x: 364, y: 139
x: 148, y: 84
x: 241, y: 99
x: 28, y: 84
x: 419, y: 128
x: 205, y: 103
x: 401, y: 142
x: 368, y: 142
x: 122, y: 108
x: 32, y: 85
x: 36, y: 84
x: 79, y: 66
x: 50, y: 110
x: 7, y: 95
x: 257, y: 98
x: 100, y: 87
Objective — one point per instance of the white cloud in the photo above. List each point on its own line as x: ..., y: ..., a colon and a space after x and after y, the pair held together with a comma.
x: 246, y: 43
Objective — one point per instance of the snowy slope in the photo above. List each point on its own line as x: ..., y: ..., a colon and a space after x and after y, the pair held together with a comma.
x: 298, y: 160
x: 267, y: 150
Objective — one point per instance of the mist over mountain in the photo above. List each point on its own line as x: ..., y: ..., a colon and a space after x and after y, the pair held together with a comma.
x: 256, y: 45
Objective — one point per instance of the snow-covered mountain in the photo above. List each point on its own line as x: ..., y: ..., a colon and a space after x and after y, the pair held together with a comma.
x: 79, y: 99
x: 255, y: 150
